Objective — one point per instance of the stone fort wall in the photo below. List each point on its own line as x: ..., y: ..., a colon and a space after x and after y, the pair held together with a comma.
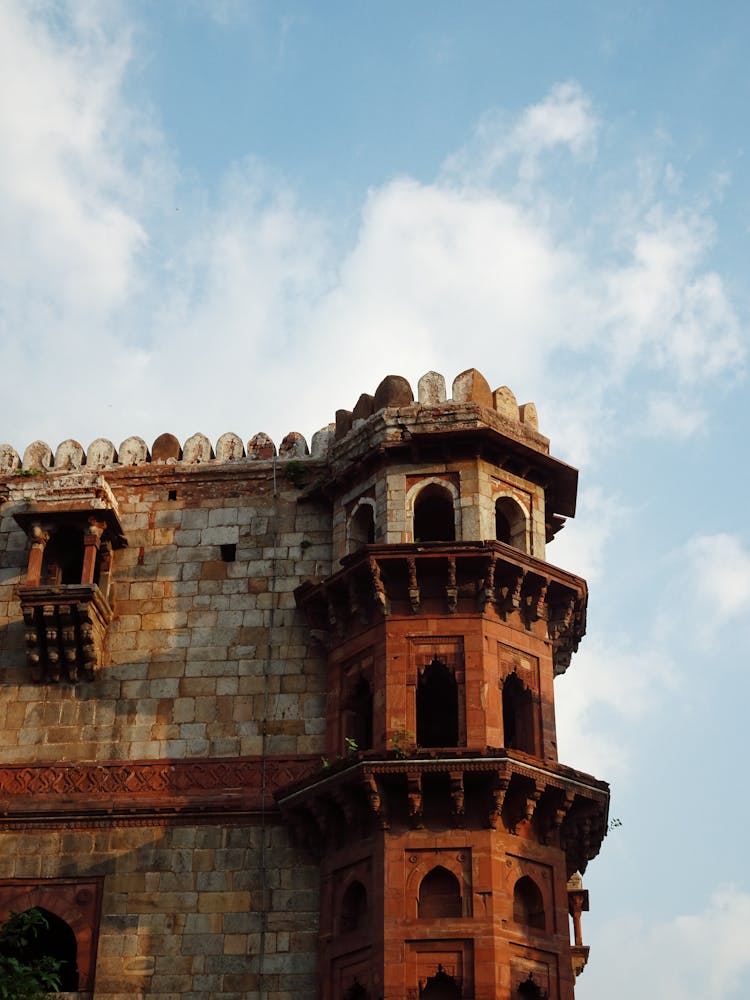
x: 142, y: 799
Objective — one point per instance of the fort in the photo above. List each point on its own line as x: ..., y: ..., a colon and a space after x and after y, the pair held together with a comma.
x: 279, y: 723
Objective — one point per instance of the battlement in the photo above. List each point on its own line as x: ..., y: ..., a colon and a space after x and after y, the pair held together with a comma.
x: 471, y: 401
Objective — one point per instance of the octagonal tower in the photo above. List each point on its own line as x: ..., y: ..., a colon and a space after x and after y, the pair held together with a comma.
x: 446, y: 827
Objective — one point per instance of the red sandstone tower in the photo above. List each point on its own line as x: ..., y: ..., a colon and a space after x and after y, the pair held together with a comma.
x: 448, y: 833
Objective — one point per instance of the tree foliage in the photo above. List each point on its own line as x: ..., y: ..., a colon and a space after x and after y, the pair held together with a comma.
x: 23, y: 977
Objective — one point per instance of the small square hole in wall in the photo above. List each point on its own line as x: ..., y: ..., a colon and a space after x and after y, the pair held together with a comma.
x: 228, y: 552
x: 172, y: 495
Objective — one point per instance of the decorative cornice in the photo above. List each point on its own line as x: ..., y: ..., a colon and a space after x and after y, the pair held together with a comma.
x: 488, y: 578
x: 154, y: 789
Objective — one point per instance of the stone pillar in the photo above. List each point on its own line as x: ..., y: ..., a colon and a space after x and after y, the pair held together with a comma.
x: 39, y: 539
x: 92, y: 537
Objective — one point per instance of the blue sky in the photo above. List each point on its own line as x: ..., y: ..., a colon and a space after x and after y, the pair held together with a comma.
x: 239, y: 216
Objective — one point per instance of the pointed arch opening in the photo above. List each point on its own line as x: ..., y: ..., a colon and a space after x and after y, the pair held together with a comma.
x: 510, y: 523
x: 518, y: 715
x: 361, y: 530
x: 530, y: 990
x: 434, y: 515
x: 437, y: 706
x: 528, y: 904
x: 353, y: 908
x: 441, y: 986
x: 439, y: 894
x: 58, y: 941
x: 358, y: 715
x: 356, y: 992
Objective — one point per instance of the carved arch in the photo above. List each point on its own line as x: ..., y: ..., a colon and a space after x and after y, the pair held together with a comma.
x: 439, y: 894
x: 360, y: 525
x: 528, y: 904
x: 438, y: 706
x: 511, y: 523
x: 519, y: 724
x: 429, y: 506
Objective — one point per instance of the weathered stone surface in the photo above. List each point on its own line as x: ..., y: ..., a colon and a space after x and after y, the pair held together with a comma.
x: 364, y: 407
x: 322, y: 441
x: 133, y: 451
x: 506, y: 403
x: 229, y: 448
x: 394, y: 390
x: 293, y: 446
x: 197, y: 449
x: 431, y: 389
x: 166, y: 448
x: 529, y: 415
x: 218, y: 690
x: 472, y: 387
x: 69, y: 455
x: 260, y: 446
x: 9, y: 460
x: 343, y: 423
x: 101, y: 453
x: 37, y: 457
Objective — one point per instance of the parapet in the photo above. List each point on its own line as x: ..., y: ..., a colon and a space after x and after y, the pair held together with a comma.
x: 471, y: 393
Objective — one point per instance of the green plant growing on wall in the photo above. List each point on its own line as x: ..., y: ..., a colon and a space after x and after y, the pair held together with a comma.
x: 294, y: 472
x: 351, y: 746
x: 23, y: 977
x: 401, y: 742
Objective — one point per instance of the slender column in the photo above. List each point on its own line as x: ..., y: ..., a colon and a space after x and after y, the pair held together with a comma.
x: 39, y: 539
x: 91, y: 540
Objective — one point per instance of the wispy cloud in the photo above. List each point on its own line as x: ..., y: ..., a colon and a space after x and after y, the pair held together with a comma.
x: 704, y: 955
x: 247, y: 288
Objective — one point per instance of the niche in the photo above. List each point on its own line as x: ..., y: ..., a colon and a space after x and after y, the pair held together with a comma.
x: 529, y: 990
x: 518, y: 715
x: 353, y: 908
x: 441, y: 986
x: 57, y: 941
x: 434, y: 518
x: 528, y: 904
x: 510, y: 523
x: 439, y: 894
x: 437, y: 706
x: 361, y: 526
x: 356, y: 992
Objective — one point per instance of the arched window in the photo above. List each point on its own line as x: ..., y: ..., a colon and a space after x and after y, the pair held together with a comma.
x: 356, y: 992
x: 439, y: 894
x: 353, y: 908
x: 441, y: 986
x: 528, y: 905
x: 358, y: 715
x: 434, y: 517
x: 361, y: 526
x: 437, y: 707
x: 57, y: 941
x: 63, y: 558
x: 518, y: 715
x: 510, y: 523
x: 529, y: 990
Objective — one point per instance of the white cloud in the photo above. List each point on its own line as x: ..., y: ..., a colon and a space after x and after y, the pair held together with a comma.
x: 716, y: 570
x: 248, y: 301
x: 580, y: 546
x: 673, y: 416
x: 564, y: 119
x: 698, y: 956
x: 609, y: 688
x: 70, y: 235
